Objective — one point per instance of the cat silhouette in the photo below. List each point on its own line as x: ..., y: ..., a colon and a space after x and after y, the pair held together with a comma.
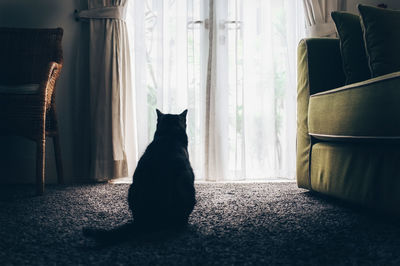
x: 162, y: 194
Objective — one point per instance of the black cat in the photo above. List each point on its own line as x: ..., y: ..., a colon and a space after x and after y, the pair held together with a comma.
x: 162, y: 194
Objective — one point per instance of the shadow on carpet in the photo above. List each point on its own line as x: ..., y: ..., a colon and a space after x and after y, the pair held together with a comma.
x: 232, y: 224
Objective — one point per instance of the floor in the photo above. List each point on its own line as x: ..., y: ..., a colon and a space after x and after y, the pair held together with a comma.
x: 128, y: 180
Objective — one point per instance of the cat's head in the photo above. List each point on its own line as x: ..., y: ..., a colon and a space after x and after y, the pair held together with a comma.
x: 171, y: 123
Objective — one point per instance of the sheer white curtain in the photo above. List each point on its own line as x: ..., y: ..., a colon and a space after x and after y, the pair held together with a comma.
x: 232, y: 63
x: 168, y: 39
x: 252, y: 89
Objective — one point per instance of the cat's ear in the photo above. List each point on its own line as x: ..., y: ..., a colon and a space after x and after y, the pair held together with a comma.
x: 183, y: 114
x: 159, y: 114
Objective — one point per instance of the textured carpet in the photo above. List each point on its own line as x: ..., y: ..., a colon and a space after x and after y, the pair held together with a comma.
x: 232, y: 224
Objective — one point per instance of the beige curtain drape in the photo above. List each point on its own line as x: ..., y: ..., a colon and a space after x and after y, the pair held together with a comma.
x: 318, y: 17
x: 112, y: 114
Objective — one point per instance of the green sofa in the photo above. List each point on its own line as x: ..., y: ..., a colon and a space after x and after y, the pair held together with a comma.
x: 348, y: 137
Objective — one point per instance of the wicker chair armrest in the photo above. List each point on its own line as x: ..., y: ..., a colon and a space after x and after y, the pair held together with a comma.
x: 48, y: 84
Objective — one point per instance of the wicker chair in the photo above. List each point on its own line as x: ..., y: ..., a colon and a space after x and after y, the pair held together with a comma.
x: 30, y: 63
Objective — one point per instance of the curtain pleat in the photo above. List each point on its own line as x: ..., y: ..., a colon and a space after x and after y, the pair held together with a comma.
x: 318, y: 17
x: 216, y: 104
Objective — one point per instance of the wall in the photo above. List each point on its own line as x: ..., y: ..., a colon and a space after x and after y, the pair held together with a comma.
x: 352, y: 4
x: 17, y: 155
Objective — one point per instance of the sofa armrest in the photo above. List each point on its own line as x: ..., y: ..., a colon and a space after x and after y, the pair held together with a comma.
x: 320, y: 69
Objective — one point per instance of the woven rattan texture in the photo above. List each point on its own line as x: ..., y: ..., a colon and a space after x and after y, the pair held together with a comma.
x: 31, y: 56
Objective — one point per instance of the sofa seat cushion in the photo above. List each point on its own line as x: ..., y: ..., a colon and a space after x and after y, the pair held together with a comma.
x: 19, y: 89
x: 368, y: 110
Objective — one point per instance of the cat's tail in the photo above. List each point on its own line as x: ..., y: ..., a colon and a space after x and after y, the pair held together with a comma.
x: 115, y: 235
x: 133, y: 231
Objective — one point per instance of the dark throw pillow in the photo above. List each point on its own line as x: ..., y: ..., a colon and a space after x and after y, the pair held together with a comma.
x: 381, y: 29
x: 355, y: 63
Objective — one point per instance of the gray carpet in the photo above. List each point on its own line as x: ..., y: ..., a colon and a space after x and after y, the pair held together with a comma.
x: 232, y: 224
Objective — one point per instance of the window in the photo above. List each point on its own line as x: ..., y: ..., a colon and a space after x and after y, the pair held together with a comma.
x: 239, y: 86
